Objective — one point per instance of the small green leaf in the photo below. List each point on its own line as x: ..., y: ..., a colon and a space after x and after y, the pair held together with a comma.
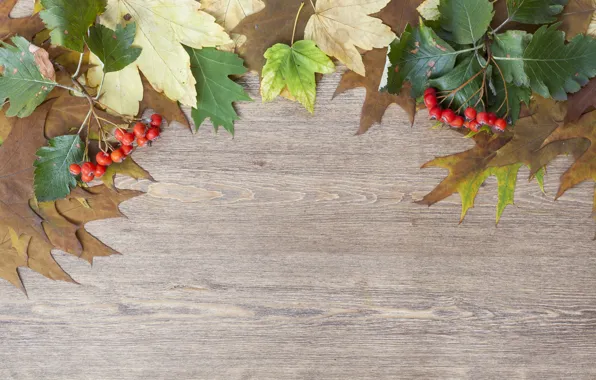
x: 69, y: 20
x: 216, y: 92
x: 535, y: 11
x: 21, y: 82
x: 52, y: 178
x: 506, y: 181
x: 467, y: 20
x: 294, y: 67
x: 470, y: 94
x: 417, y: 56
x: 113, y: 48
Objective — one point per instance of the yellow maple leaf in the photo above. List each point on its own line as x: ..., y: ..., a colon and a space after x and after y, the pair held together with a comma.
x: 229, y: 13
x: 121, y: 91
x: 338, y: 27
x: 162, y: 27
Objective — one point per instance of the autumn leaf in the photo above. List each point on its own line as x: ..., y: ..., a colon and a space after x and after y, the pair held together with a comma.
x: 168, y: 109
x: 397, y: 14
x: 229, y: 13
x: 26, y: 27
x: 581, y: 101
x: 162, y: 27
x: 339, y: 27
x: 578, y: 18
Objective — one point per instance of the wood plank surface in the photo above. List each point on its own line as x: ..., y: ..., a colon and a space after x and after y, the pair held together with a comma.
x: 295, y: 251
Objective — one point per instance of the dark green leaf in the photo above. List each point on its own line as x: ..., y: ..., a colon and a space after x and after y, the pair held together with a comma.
x: 21, y: 82
x: 216, y: 92
x: 515, y: 95
x: 512, y: 44
x: 467, y: 20
x: 69, y: 20
x: 470, y: 94
x: 113, y: 48
x: 535, y: 11
x: 52, y: 178
x: 417, y: 56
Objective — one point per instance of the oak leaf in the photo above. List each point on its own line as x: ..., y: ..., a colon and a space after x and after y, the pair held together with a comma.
x: 579, y: 18
x: 581, y: 101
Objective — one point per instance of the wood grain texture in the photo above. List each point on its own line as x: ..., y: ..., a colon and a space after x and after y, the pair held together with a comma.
x: 295, y: 251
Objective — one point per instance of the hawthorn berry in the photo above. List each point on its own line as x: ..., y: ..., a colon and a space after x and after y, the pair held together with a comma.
x: 435, y: 112
x: 448, y: 116
x: 482, y: 118
x: 127, y: 149
x: 128, y: 138
x: 430, y: 91
x: 152, y: 133
x: 142, y: 141
x: 430, y: 101
x: 492, y: 118
x: 103, y: 158
x: 119, y: 134
x: 75, y: 169
x: 500, y: 125
x: 88, y: 168
x: 156, y: 120
x: 87, y: 177
x: 474, y: 126
x: 118, y: 155
x: 458, y: 122
x: 139, y: 130
x: 470, y: 113
x: 100, y: 170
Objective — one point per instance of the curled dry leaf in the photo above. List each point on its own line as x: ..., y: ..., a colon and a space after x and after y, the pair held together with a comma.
x: 42, y: 60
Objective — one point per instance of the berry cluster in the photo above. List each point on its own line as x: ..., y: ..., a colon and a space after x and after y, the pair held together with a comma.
x: 474, y: 120
x: 140, y: 131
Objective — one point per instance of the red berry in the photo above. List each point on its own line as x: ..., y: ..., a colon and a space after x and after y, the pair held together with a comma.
x: 87, y: 177
x: 103, y: 159
x: 142, y: 141
x: 88, y: 168
x: 482, y: 118
x: 118, y: 155
x: 128, y: 138
x: 435, y: 113
x: 492, y: 119
x: 127, y: 149
x: 470, y: 113
x: 430, y: 101
x: 458, y: 122
x: 119, y: 133
x: 152, y: 133
x: 500, y: 125
x: 100, y: 170
x: 156, y: 120
x: 75, y: 169
x: 139, y: 129
x: 474, y: 126
x: 448, y: 116
x: 430, y: 91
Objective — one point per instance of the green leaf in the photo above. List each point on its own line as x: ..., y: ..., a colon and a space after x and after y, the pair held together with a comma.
x: 506, y: 181
x: 215, y: 90
x: 467, y: 20
x: 113, y: 48
x: 69, y: 20
x: 512, y: 44
x: 294, y: 67
x: 470, y: 94
x: 535, y: 11
x: 515, y: 96
x: 21, y: 82
x: 539, y: 175
x: 553, y: 67
x: 52, y: 178
x: 417, y: 56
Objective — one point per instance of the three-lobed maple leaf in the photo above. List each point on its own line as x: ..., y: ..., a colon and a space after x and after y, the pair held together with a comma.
x: 216, y: 92
x: 229, y: 13
x: 162, y: 27
x: 294, y: 67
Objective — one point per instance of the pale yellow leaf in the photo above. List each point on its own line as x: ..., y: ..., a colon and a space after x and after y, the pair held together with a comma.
x: 237, y: 41
x: 429, y: 9
x: 162, y: 27
x: 229, y: 13
x: 339, y: 27
x: 121, y: 91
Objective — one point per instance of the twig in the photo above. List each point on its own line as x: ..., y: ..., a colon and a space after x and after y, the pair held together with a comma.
x: 98, y: 95
x: 76, y: 74
x: 501, y: 26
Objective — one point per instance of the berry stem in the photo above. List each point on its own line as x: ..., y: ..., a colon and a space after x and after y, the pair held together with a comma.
x: 506, y: 101
x: 296, y: 20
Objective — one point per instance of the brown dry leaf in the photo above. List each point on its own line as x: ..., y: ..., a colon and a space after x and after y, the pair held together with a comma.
x: 578, y: 18
x: 157, y: 101
x: 26, y: 26
x: 396, y: 14
x: 582, y: 101
x: 272, y: 25
x: 229, y: 13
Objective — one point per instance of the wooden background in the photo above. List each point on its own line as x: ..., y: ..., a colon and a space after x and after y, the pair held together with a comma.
x: 295, y: 251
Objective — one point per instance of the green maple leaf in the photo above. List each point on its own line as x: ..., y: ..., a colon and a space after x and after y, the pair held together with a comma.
x: 21, y: 82
x: 466, y: 20
x: 113, y: 48
x: 294, y: 67
x: 69, y: 20
x: 417, y: 56
x: 534, y: 11
x: 216, y: 92
x: 551, y: 67
x: 52, y: 178
x: 467, y: 96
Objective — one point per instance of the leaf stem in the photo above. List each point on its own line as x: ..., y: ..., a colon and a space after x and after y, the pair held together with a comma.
x: 296, y: 21
x: 501, y: 26
x: 76, y: 74
x: 506, y: 101
x: 98, y: 95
